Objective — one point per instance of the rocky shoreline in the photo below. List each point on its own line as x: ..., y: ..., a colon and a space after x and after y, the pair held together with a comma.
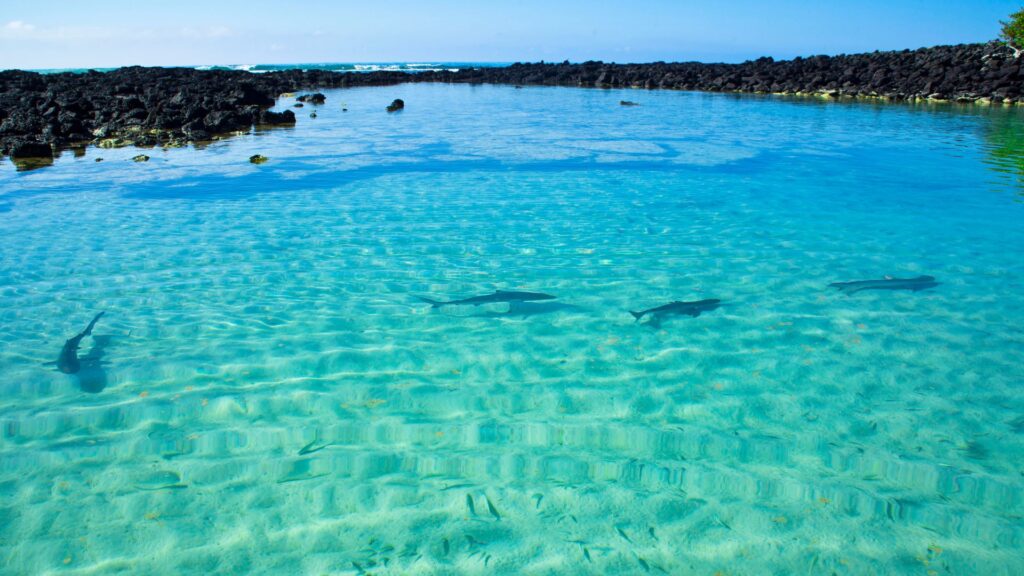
x: 41, y: 114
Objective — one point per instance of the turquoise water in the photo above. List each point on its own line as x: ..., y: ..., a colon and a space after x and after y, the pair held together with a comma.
x: 266, y: 395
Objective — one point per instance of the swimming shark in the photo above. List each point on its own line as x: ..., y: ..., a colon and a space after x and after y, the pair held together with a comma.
x: 68, y: 362
x: 887, y: 283
x: 678, y: 308
x: 498, y: 296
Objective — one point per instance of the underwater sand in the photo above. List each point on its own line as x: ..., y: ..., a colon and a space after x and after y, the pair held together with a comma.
x: 266, y: 395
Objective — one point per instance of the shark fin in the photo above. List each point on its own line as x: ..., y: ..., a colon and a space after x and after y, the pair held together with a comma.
x: 637, y: 315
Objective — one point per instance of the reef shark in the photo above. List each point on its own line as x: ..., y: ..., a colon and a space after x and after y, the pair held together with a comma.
x: 498, y: 296
x: 68, y: 362
x: 678, y: 309
x: 887, y: 283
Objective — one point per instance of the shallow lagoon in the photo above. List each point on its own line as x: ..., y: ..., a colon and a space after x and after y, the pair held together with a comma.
x: 266, y: 395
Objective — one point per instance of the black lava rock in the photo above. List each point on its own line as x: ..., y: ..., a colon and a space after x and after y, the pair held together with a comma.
x: 30, y: 149
x: 396, y: 105
x: 316, y: 98
x: 170, y: 106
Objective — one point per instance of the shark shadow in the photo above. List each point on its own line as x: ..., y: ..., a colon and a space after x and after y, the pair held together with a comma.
x: 528, y: 309
x: 92, y: 376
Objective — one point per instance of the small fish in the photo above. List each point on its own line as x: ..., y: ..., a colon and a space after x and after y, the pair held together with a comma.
x: 538, y: 498
x: 309, y: 449
x: 469, y: 504
x: 623, y: 534
x: 491, y: 508
x: 887, y: 283
x: 446, y: 546
x: 586, y: 554
x: 498, y: 296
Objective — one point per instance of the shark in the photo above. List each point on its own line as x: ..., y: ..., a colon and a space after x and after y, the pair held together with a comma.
x: 68, y: 361
x: 508, y: 296
x: 887, y: 283
x: 678, y: 308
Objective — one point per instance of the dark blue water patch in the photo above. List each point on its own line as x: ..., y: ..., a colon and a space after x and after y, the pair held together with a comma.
x: 220, y: 187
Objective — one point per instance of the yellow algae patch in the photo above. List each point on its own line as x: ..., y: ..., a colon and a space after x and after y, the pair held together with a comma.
x: 143, y: 394
x: 934, y: 549
x: 374, y: 402
x: 151, y: 516
x: 780, y: 520
x: 67, y: 559
x: 824, y: 501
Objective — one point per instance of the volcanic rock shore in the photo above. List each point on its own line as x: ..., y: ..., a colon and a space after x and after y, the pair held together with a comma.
x: 42, y: 113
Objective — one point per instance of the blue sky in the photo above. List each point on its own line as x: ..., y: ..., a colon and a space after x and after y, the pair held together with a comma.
x: 72, y: 33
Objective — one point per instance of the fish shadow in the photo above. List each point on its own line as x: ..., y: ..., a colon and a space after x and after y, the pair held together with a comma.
x: 92, y: 377
x: 529, y: 309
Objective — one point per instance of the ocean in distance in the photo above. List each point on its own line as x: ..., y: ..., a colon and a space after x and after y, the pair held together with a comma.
x: 328, y: 66
x: 266, y: 392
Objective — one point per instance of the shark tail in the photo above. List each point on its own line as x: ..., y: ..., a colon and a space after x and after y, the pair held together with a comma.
x: 433, y: 303
x: 637, y: 315
x: 843, y: 288
x: 95, y: 319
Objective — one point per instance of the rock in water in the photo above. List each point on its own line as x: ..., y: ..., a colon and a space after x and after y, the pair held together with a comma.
x: 268, y: 117
x: 30, y: 149
x: 397, y: 105
x: 627, y: 103
x: 299, y: 104
x: 140, y: 158
x: 315, y: 98
x: 258, y: 159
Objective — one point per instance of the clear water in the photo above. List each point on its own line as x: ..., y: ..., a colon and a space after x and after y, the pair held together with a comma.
x: 266, y: 395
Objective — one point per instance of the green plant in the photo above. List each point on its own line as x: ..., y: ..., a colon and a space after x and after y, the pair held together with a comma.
x: 1013, y: 32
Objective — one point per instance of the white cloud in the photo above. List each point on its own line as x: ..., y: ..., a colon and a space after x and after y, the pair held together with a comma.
x: 18, y: 27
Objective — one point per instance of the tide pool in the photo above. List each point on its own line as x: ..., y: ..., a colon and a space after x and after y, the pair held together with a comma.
x: 266, y: 394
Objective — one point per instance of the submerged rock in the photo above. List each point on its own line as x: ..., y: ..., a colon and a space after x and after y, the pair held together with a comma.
x: 396, y: 105
x: 140, y: 158
x: 299, y: 104
x: 627, y: 103
x: 258, y: 159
